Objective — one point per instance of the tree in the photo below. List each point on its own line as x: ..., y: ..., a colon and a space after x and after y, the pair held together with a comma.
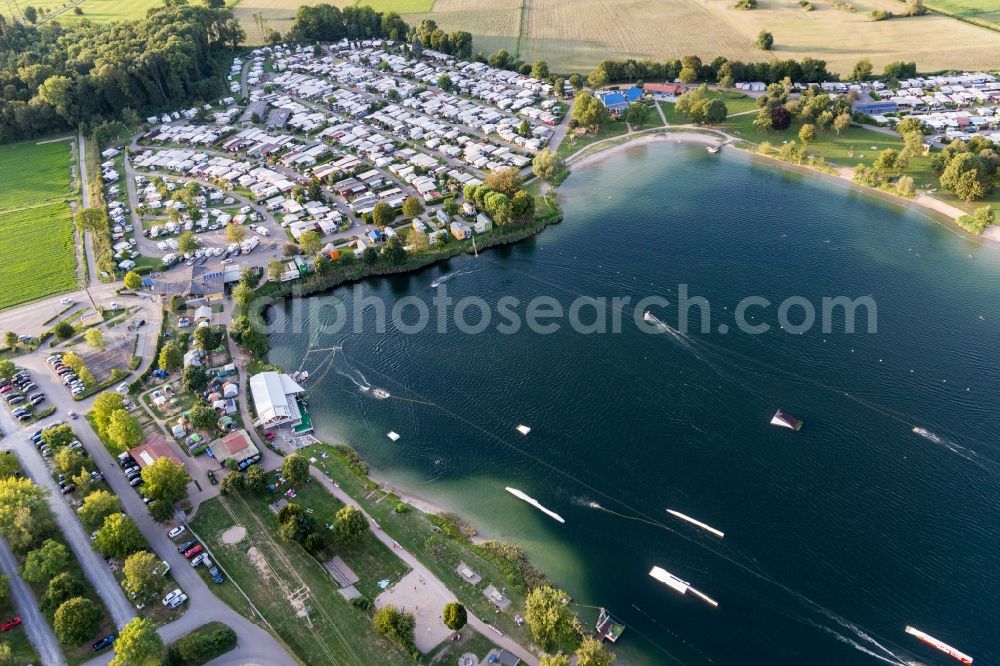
x: 412, y: 206
x: 505, y: 181
x: 133, y: 281
x: 636, y: 114
x: 235, y: 233
x: 862, y: 70
x: 841, y: 122
x: 60, y: 589
x: 4, y: 590
x: 588, y: 111
x: 382, y: 214
x: 274, y: 270
x: 208, y: 338
x: 195, y: 378
x: 166, y: 480
x: 807, y: 133
x: 7, y: 368
x: 10, y: 339
x: 592, y: 653
x: 887, y: 160
x: 161, y: 511
x: 393, y: 251
x: 144, y: 575
x: 95, y: 338
x: 765, y: 40
x: 104, y: 405
x: 350, y: 524
x: 294, y: 524
x: 63, y: 330
x: 311, y: 242
x: 915, y: 8
x: 781, y: 118
x: 445, y: 82
x: 203, y: 417
x: 8, y: 464
x: 171, y: 357
x: 547, y: 165
x: 242, y: 293
x: 77, y: 620
x: 540, y: 69
x: 548, y: 617
x: 233, y: 482
x: 119, y: 536
x: 454, y: 615
x: 904, y: 186
x: 395, y: 624
x: 138, y: 644
x: 125, y: 430
x: 295, y: 469
x: 187, y: 242
x: 714, y: 111
x: 45, y: 562
x: 97, y: 506
x: 30, y: 14
x: 68, y: 460
x: 256, y: 480
x: 58, y: 437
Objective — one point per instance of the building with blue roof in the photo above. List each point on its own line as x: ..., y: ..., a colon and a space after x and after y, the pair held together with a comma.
x: 616, y: 102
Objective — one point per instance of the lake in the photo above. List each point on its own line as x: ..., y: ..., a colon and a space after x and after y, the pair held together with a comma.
x: 836, y: 537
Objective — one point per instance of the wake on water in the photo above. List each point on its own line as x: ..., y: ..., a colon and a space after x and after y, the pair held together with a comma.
x: 445, y: 278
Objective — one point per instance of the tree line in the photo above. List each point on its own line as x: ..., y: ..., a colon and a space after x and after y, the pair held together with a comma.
x: 56, y: 77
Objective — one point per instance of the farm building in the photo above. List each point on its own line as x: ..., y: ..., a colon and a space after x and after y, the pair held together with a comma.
x: 876, y: 108
x: 617, y: 102
x: 664, y: 90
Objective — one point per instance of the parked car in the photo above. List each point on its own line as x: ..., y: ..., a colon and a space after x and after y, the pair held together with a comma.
x: 212, y: 479
x: 193, y: 551
x: 216, y: 574
x: 68, y: 488
x: 11, y: 623
x: 171, y: 596
x: 178, y: 600
x: 195, y: 561
x: 73, y: 415
x: 103, y: 643
x: 177, y: 531
x: 186, y: 545
x: 137, y: 481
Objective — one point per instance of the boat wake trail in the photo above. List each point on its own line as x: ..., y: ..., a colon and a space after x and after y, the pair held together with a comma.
x: 680, y: 338
x: 445, y: 278
x: 957, y: 449
x: 357, y: 378
x: 893, y: 659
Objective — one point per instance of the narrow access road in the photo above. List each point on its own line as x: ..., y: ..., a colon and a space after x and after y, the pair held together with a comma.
x: 88, y: 241
x: 32, y: 621
x: 94, y: 567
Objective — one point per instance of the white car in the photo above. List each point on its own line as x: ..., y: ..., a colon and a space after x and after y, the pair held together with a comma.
x: 114, y: 306
x: 199, y: 559
x: 173, y: 595
x: 66, y: 301
x: 177, y: 531
x: 178, y: 600
x: 227, y: 261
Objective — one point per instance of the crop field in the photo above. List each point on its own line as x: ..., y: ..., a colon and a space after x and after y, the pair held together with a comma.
x: 572, y: 35
x: 98, y: 11
x: 37, y: 257
x: 985, y: 12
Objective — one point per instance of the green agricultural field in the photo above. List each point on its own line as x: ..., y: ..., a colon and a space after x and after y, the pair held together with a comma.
x: 985, y: 12
x: 37, y: 257
x: 34, y: 174
x: 98, y: 11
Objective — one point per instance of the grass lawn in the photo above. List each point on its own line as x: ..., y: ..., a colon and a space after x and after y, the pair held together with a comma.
x: 47, y: 180
x: 270, y: 570
x: 471, y: 641
x: 608, y: 130
x: 437, y: 552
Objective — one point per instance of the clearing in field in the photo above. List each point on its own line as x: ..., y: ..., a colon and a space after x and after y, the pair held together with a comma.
x: 37, y: 257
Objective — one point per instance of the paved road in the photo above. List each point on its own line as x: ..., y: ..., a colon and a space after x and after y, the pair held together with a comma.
x: 37, y: 627
x: 94, y: 567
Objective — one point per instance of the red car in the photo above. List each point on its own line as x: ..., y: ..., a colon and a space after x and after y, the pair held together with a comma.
x: 194, y: 551
x: 11, y: 623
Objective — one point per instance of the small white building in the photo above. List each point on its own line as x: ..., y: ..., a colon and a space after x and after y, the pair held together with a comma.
x: 274, y: 397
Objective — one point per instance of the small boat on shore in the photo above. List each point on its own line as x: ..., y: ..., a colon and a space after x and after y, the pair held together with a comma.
x: 533, y: 502
x: 940, y: 645
x: 783, y: 419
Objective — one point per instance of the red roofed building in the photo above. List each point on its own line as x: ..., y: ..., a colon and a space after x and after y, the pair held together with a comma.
x: 238, y: 446
x: 664, y: 89
x: 153, y: 449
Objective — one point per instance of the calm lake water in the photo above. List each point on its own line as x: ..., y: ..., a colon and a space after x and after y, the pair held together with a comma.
x: 836, y: 537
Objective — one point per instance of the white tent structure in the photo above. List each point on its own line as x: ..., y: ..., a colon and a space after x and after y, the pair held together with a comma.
x: 274, y: 398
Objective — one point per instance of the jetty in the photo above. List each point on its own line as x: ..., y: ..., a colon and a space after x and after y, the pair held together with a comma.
x: 608, y: 627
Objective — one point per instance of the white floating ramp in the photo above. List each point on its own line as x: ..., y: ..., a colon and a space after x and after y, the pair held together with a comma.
x: 696, y: 523
x: 523, y: 429
x: 680, y: 586
x: 394, y: 436
x: 533, y: 502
